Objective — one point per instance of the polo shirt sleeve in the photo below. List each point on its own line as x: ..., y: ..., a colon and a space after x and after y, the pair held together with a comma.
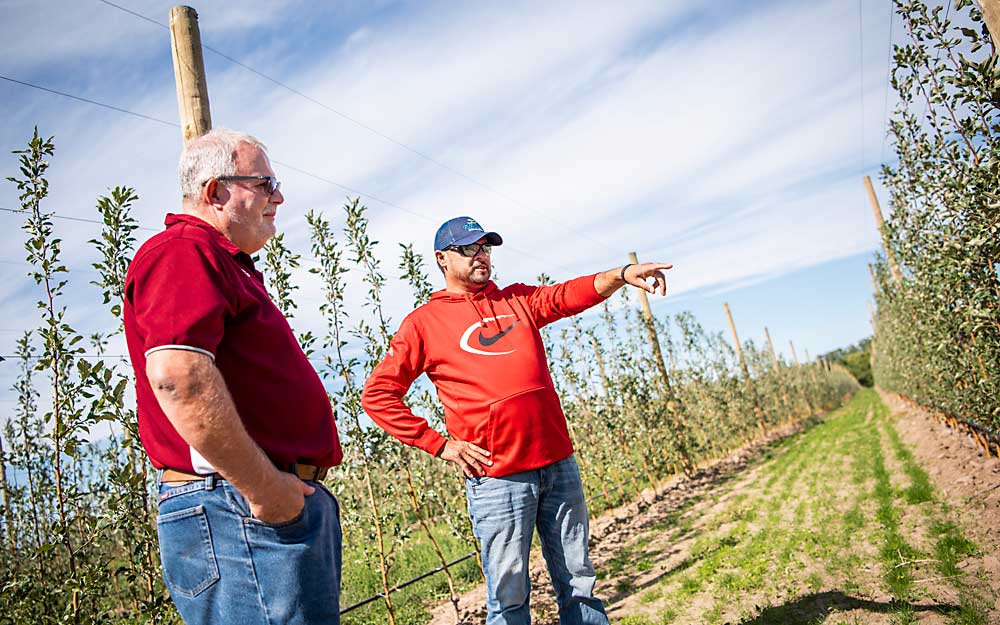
x: 180, y: 298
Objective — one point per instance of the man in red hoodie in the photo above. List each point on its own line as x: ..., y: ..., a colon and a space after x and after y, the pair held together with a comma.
x: 481, y: 348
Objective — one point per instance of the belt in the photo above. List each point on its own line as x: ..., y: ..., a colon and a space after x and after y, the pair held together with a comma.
x: 304, y: 471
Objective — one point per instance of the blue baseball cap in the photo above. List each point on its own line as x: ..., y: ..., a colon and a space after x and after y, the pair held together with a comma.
x: 462, y: 231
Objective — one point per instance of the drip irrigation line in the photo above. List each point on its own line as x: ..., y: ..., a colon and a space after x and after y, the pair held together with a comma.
x: 362, y: 125
x: 423, y: 576
x: 381, y: 595
x: 277, y: 162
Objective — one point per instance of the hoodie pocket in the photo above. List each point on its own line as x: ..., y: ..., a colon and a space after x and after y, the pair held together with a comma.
x: 527, y: 431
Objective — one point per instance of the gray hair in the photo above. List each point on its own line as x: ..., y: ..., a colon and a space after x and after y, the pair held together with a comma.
x: 210, y: 155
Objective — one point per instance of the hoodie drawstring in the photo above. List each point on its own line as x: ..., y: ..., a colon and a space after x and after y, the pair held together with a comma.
x: 482, y: 321
x: 493, y: 312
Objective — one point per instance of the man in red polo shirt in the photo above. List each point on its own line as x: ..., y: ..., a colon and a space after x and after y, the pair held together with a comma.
x: 230, y: 410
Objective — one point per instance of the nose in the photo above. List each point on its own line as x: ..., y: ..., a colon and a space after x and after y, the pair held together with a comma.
x: 277, y: 197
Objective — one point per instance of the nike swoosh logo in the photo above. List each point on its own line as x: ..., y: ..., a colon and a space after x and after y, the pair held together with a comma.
x: 486, y: 341
x: 463, y: 342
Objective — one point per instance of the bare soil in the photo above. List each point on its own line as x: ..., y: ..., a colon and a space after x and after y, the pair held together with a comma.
x: 781, y: 521
x: 967, y: 479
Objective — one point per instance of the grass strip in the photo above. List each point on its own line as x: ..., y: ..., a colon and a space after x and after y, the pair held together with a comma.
x: 920, y: 489
x: 950, y: 544
x: 895, y: 552
x: 741, y: 560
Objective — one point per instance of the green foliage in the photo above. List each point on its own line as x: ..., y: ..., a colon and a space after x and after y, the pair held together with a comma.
x: 856, y: 359
x: 938, y: 319
x: 76, y: 517
x: 805, y: 557
x: 77, y: 525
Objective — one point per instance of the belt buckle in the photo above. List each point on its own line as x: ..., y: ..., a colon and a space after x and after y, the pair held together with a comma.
x: 314, y: 474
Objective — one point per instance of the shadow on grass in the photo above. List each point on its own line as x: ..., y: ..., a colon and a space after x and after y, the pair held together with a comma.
x: 814, y: 608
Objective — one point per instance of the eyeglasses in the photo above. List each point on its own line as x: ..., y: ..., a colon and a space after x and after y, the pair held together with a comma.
x: 472, y: 249
x: 273, y: 184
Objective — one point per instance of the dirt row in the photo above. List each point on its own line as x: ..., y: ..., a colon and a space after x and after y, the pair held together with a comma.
x: 639, y: 545
x: 611, y: 532
x: 966, y: 478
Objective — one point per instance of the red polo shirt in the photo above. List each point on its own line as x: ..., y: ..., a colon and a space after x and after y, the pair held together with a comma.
x: 191, y: 288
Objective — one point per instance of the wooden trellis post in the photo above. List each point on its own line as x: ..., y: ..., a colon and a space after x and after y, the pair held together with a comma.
x: 795, y: 359
x: 647, y: 315
x: 812, y: 367
x: 600, y: 364
x: 736, y: 340
x: 189, y: 73
x: 777, y: 372
x: 897, y: 275
x: 758, y: 413
x: 770, y: 347
x: 677, y: 421
x: 991, y: 15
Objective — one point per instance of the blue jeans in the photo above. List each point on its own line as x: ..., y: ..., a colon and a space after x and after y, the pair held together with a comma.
x: 505, y: 512
x: 222, y: 566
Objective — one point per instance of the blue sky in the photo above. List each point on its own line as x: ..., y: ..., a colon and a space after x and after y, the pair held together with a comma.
x: 728, y: 138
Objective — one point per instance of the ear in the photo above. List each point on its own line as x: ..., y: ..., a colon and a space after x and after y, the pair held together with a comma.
x: 439, y: 257
x: 214, y: 194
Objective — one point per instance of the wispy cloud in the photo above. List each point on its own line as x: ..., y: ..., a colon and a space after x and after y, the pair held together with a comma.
x: 724, y: 138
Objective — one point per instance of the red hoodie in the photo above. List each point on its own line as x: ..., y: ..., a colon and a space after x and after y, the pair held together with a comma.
x: 484, y: 354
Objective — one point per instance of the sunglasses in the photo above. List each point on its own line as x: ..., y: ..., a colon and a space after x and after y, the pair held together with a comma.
x: 273, y: 184
x: 472, y: 249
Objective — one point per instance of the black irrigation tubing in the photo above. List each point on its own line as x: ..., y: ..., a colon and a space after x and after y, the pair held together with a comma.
x: 423, y: 576
x: 989, y: 436
x: 381, y: 595
x: 610, y: 490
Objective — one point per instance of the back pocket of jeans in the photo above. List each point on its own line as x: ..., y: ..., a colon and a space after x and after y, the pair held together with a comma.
x: 186, y: 551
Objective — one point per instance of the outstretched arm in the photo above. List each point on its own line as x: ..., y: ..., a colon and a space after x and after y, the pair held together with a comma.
x: 608, y: 282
